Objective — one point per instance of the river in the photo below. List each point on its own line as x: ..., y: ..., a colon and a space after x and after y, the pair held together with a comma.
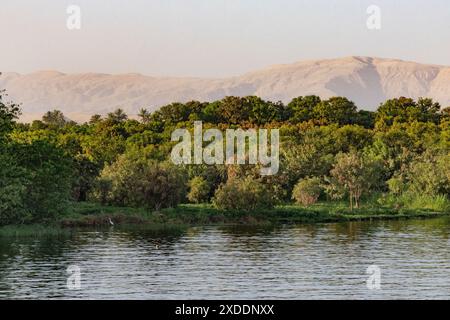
x: 321, y: 261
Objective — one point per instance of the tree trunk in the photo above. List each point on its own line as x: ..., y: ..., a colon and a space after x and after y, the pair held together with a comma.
x: 351, y: 201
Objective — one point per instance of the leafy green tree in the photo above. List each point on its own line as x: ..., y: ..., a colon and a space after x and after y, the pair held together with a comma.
x: 264, y: 112
x: 117, y: 116
x: 144, y: 115
x: 95, y: 119
x: 214, y: 175
x: 134, y: 181
x: 406, y: 110
x: 245, y: 194
x: 211, y: 113
x: 196, y: 109
x: 302, y: 108
x: 13, y: 191
x: 365, y: 119
x: 338, y: 110
x: 234, y: 110
x: 426, y: 175
x: 199, y: 190
x: 55, y: 119
x: 307, y: 191
x: 9, y: 112
x: 312, y: 156
x: 175, y: 113
x: 445, y: 115
x: 37, y: 183
x: 105, y: 142
x: 50, y: 173
x: 353, y: 175
x: 352, y: 137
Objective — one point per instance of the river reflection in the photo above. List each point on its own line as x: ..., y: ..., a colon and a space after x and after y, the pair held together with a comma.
x: 323, y: 261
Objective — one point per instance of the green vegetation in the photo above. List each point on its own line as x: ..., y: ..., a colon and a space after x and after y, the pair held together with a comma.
x: 95, y: 215
x: 34, y: 231
x: 199, y: 190
x: 243, y: 194
x: 307, y: 191
x: 336, y: 162
x: 139, y: 182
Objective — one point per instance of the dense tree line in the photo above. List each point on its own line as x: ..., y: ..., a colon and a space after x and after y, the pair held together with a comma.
x: 329, y: 150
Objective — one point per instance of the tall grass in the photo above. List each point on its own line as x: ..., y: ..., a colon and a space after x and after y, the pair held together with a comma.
x: 32, y: 231
x: 438, y: 203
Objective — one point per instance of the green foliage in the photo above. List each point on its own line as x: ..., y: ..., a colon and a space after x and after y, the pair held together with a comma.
x: 9, y: 112
x: 409, y: 201
x: 243, y: 194
x: 55, y: 119
x: 402, y: 149
x: 354, y: 175
x: 132, y: 181
x: 13, y: 191
x: 312, y: 156
x: 338, y: 110
x: 302, y: 108
x: 199, y: 190
x: 426, y: 175
x: 406, y: 110
x: 116, y: 117
x: 307, y: 191
x: 35, y: 182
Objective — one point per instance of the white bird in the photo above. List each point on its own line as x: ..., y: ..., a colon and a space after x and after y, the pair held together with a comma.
x: 110, y: 221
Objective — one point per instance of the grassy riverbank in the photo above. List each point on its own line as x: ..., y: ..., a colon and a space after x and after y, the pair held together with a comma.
x: 82, y: 215
x: 88, y: 214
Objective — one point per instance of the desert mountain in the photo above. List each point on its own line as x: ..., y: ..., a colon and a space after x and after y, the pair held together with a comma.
x: 367, y: 81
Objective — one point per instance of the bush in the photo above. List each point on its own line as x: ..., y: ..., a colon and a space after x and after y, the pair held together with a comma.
x: 427, y: 175
x: 199, y: 190
x: 35, y: 182
x: 243, y: 194
x: 354, y: 175
x: 307, y: 191
x: 438, y: 203
x: 12, y: 192
x: 396, y: 185
x: 140, y: 182
x: 430, y: 176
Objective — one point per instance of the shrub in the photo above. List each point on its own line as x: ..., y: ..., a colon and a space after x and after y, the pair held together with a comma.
x: 198, y: 190
x: 426, y: 175
x: 140, y: 182
x: 243, y: 194
x: 35, y: 181
x: 396, y: 185
x: 430, y: 175
x: 307, y: 191
x: 353, y: 175
x: 12, y: 192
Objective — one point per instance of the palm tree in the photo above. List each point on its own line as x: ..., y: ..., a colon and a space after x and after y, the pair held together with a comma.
x: 144, y: 114
x: 95, y: 118
x: 55, y: 118
x: 117, y: 116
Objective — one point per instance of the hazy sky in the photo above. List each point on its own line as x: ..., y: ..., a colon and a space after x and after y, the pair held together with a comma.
x: 214, y: 37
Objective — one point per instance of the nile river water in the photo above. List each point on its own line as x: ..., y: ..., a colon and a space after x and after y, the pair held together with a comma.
x: 322, y: 261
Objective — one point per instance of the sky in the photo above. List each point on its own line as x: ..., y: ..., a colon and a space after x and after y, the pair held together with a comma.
x: 214, y: 38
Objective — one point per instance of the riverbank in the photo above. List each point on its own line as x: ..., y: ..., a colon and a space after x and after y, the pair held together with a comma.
x: 84, y: 214
x: 89, y: 214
